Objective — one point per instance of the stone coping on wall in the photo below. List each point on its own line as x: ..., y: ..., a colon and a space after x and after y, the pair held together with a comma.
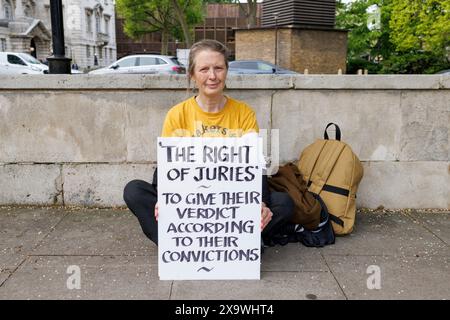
x: 256, y: 82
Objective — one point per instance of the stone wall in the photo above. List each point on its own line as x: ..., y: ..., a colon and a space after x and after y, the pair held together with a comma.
x: 77, y: 139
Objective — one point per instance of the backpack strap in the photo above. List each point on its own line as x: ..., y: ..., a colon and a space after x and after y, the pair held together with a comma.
x: 338, y: 131
x: 336, y: 220
x: 327, y: 214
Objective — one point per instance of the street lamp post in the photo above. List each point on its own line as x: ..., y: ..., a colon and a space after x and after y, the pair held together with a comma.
x: 58, y: 63
x: 275, y: 15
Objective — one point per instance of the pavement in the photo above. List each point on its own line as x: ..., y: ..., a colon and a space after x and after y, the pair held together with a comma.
x: 390, y: 255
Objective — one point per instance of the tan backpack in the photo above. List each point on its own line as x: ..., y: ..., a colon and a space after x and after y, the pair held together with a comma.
x: 333, y: 171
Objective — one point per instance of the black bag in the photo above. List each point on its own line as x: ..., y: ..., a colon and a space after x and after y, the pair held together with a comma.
x: 321, y: 236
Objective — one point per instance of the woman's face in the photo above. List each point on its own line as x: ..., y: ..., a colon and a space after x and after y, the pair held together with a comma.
x: 210, y: 72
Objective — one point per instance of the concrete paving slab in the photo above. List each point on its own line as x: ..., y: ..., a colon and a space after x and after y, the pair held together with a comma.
x: 21, y: 229
x: 293, y: 257
x: 9, y: 260
x: 425, y: 277
x: 106, y: 277
x: 117, y: 261
x: 97, y: 232
x: 436, y: 222
x: 4, y: 274
x: 387, y: 234
x: 273, y: 285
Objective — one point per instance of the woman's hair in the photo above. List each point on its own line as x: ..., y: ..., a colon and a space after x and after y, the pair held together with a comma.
x: 203, y: 45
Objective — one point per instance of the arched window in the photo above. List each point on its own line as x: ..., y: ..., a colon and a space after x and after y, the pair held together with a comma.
x: 7, y: 10
x: 29, y: 8
x: 89, y: 21
x: 97, y: 22
x: 27, y: 11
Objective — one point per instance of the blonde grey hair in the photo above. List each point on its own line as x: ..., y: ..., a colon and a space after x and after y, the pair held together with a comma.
x: 204, y: 45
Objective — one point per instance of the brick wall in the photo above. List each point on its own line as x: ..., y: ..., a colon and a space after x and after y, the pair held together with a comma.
x: 319, y: 51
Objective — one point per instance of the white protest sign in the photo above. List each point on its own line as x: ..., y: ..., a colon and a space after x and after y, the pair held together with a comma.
x: 209, y: 197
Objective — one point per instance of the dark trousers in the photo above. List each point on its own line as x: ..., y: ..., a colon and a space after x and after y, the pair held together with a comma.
x: 141, y: 198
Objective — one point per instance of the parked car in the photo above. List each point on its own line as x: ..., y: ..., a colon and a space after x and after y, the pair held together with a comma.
x: 20, y: 63
x: 255, y: 67
x: 76, y: 71
x: 143, y: 63
x: 444, y: 72
x: 23, y: 63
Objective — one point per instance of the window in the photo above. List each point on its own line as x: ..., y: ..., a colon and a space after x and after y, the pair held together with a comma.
x: 27, y: 11
x: 245, y: 65
x: 88, y: 51
x: 160, y: 61
x: 265, y: 67
x: 147, y: 61
x: 88, y: 21
x: 107, y: 24
x: 97, y: 23
x: 100, y: 53
x: 127, y: 62
x: 8, y: 10
x: 111, y: 54
x: 175, y: 60
x: 15, y: 60
x: 27, y: 58
x: 2, y: 44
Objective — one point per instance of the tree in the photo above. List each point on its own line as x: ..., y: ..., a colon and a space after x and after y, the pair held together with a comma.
x: 420, y: 36
x: 412, y: 36
x: 189, y: 13
x: 421, y: 25
x: 249, y: 9
x: 146, y: 16
x: 218, y: 1
x: 250, y: 12
x: 353, y: 17
x: 171, y: 17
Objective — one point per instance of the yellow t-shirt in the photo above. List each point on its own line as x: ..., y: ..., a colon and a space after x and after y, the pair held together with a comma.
x: 187, y: 119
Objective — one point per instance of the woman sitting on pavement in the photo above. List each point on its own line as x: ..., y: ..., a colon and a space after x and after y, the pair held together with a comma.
x: 208, y: 114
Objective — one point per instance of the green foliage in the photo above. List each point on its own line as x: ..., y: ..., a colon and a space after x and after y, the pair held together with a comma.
x: 219, y: 1
x: 353, y: 17
x: 146, y: 16
x: 421, y: 25
x: 412, y: 36
x: 354, y: 64
x: 414, y: 63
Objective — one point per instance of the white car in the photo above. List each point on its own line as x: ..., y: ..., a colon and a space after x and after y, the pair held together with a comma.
x: 20, y: 63
x: 144, y: 63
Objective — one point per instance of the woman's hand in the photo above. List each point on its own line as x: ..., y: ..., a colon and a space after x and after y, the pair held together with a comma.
x: 156, y: 211
x: 266, y: 216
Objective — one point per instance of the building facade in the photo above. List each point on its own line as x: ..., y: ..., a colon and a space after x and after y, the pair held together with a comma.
x: 89, y: 30
x: 316, y: 51
x: 299, y: 35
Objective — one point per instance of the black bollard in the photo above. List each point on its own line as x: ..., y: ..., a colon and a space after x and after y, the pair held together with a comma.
x: 58, y: 63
